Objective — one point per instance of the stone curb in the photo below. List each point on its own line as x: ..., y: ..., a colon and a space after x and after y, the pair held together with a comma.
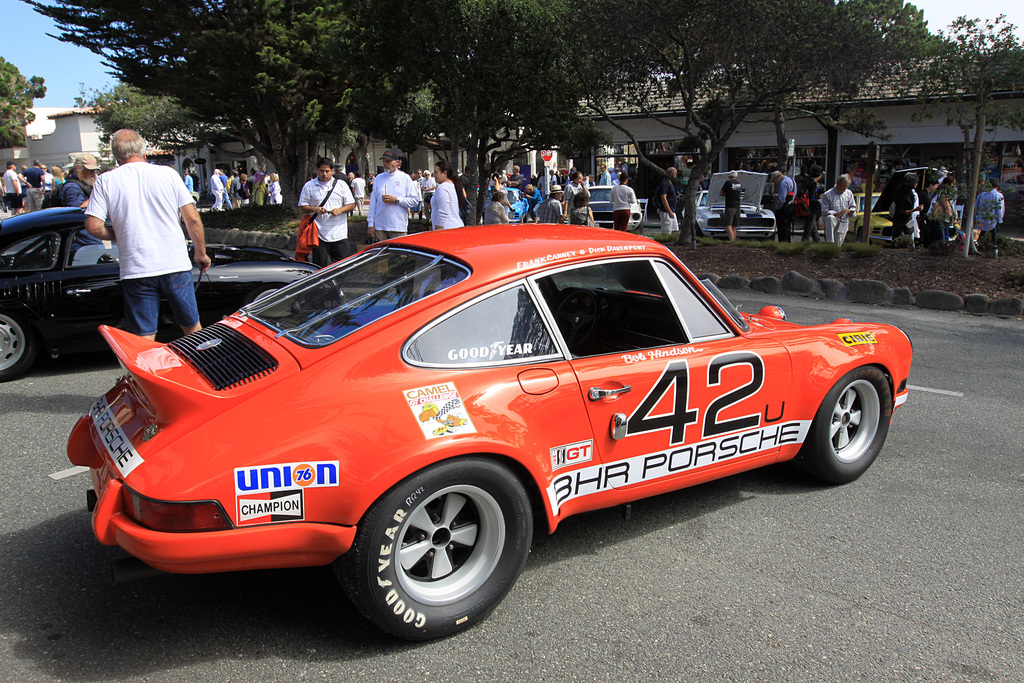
x: 857, y: 291
x: 871, y: 292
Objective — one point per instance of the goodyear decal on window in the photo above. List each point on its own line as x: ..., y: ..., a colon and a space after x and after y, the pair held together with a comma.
x: 439, y: 410
x: 857, y: 338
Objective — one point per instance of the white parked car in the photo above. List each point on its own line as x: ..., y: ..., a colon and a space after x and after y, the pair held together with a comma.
x: 601, y: 205
x: 755, y: 222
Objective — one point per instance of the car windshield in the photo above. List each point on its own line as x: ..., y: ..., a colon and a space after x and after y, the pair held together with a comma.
x: 335, y: 302
x: 725, y: 303
x: 600, y: 194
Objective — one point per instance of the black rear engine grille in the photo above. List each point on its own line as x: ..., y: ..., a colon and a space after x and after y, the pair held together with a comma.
x: 224, y: 357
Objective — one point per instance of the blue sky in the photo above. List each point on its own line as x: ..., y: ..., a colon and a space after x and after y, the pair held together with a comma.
x: 64, y: 66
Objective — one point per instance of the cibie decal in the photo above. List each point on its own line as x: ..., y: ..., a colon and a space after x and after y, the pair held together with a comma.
x: 439, y: 410
x: 274, y: 506
x: 286, y: 476
x: 120, y: 448
x: 587, y: 481
x: 857, y: 338
x: 572, y: 454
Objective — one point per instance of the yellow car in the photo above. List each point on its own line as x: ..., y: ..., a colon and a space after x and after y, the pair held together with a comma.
x: 881, y: 226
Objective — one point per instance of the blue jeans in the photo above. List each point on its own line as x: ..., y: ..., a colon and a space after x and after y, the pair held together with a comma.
x: 142, y: 301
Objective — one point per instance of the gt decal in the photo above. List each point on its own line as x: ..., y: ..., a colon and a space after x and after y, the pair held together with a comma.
x: 587, y: 481
x: 712, y: 425
x: 857, y: 338
x: 439, y: 410
x: 572, y: 454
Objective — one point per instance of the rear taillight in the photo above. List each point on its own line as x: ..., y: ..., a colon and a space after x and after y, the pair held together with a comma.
x: 202, y: 515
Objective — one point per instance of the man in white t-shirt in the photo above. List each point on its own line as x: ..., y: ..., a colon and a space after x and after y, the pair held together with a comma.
x: 143, y: 203
x: 358, y: 184
x: 394, y: 196
x: 332, y: 217
x: 12, y: 189
x: 427, y: 187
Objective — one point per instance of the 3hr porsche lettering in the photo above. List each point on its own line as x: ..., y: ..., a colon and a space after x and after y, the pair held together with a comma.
x: 643, y: 468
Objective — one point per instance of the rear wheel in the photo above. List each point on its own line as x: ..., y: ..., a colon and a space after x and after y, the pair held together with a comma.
x: 849, y: 428
x: 440, y: 550
x: 18, y: 347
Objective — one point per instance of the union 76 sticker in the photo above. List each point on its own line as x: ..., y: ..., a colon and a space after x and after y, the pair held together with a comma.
x: 439, y: 410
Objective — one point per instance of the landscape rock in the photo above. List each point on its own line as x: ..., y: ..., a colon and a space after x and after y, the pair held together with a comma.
x: 939, y: 300
x: 1010, y: 306
x: 280, y: 241
x: 976, y: 303
x: 868, y: 292
x: 733, y: 282
x: 901, y: 296
x: 830, y: 288
x: 795, y: 282
x: 293, y: 241
x: 233, y: 236
x: 768, y: 285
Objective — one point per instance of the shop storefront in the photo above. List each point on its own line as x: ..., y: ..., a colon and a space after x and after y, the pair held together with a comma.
x: 765, y: 159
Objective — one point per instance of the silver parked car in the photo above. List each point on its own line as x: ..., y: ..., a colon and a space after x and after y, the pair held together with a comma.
x: 754, y: 220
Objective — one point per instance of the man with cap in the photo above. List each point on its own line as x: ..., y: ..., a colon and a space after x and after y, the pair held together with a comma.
x: 732, y: 190
x: 550, y: 211
x: 76, y: 189
x: 394, y: 195
x: 784, y: 208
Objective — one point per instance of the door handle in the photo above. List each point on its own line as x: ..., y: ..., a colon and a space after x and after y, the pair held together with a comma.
x: 76, y: 292
x: 596, y: 394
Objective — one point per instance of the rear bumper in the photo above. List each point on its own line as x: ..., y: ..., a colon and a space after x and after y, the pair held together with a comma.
x: 293, y: 544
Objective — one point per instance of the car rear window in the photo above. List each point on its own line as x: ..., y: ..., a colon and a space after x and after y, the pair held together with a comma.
x: 337, y: 301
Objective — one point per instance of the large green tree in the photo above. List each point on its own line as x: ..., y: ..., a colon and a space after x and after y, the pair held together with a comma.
x: 701, y: 68
x: 160, y: 119
x: 270, y: 71
x: 490, y: 78
x: 976, y: 64
x: 16, y: 95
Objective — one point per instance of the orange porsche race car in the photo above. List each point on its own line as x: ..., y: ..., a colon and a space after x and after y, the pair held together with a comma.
x: 411, y: 414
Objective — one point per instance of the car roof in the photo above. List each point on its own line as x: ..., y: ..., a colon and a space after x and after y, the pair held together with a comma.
x: 39, y: 221
x: 496, y: 251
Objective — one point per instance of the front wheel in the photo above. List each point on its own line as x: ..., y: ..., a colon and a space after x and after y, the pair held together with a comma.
x: 440, y: 550
x: 18, y: 347
x: 849, y: 428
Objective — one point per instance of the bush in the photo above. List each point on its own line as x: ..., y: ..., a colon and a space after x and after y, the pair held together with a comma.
x: 827, y: 250
x: 903, y: 242
x: 788, y: 248
x: 708, y: 241
x: 268, y: 218
x: 861, y: 250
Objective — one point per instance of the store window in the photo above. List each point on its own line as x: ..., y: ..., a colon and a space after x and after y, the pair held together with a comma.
x: 617, y: 158
x: 765, y: 159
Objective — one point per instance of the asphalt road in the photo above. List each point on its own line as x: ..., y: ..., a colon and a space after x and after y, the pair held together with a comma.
x: 914, y: 572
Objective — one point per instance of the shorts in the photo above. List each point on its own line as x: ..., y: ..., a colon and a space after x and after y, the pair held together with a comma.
x: 731, y: 218
x: 142, y: 301
x: 13, y: 200
x: 668, y: 223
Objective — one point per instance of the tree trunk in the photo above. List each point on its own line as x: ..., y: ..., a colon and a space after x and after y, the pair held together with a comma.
x: 972, y: 193
x: 472, y: 151
x: 781, y: 141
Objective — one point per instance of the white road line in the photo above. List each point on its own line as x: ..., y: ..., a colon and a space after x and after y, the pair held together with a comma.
x: 69, y: 472
x: 935, y: 391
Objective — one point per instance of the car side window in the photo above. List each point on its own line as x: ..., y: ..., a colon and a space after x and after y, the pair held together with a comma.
x: 89, y: 250
x: 611, y: 307
x: 700, y: 321
x: 38, y: 252
x: 503, y: 328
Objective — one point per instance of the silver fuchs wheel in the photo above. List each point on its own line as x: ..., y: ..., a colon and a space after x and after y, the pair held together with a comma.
x: 440, y: 550
x: 849, y: 427
x: 18, y: 347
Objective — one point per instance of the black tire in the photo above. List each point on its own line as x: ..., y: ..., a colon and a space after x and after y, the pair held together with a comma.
x: 19, y: 347
x: 440, y: 550
x: 849, y: 428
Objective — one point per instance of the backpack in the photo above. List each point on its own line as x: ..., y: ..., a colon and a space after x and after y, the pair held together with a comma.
x: 52, y: 199
x: 802, y: 205
x: 56, y: 198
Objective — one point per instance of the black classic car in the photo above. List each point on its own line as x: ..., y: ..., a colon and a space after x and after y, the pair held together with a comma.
x: 58, y: 283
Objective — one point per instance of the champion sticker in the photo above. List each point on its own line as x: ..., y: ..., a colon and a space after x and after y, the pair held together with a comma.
x: 857, y: 338
x: 274, y: 506
x: 439, y: 410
